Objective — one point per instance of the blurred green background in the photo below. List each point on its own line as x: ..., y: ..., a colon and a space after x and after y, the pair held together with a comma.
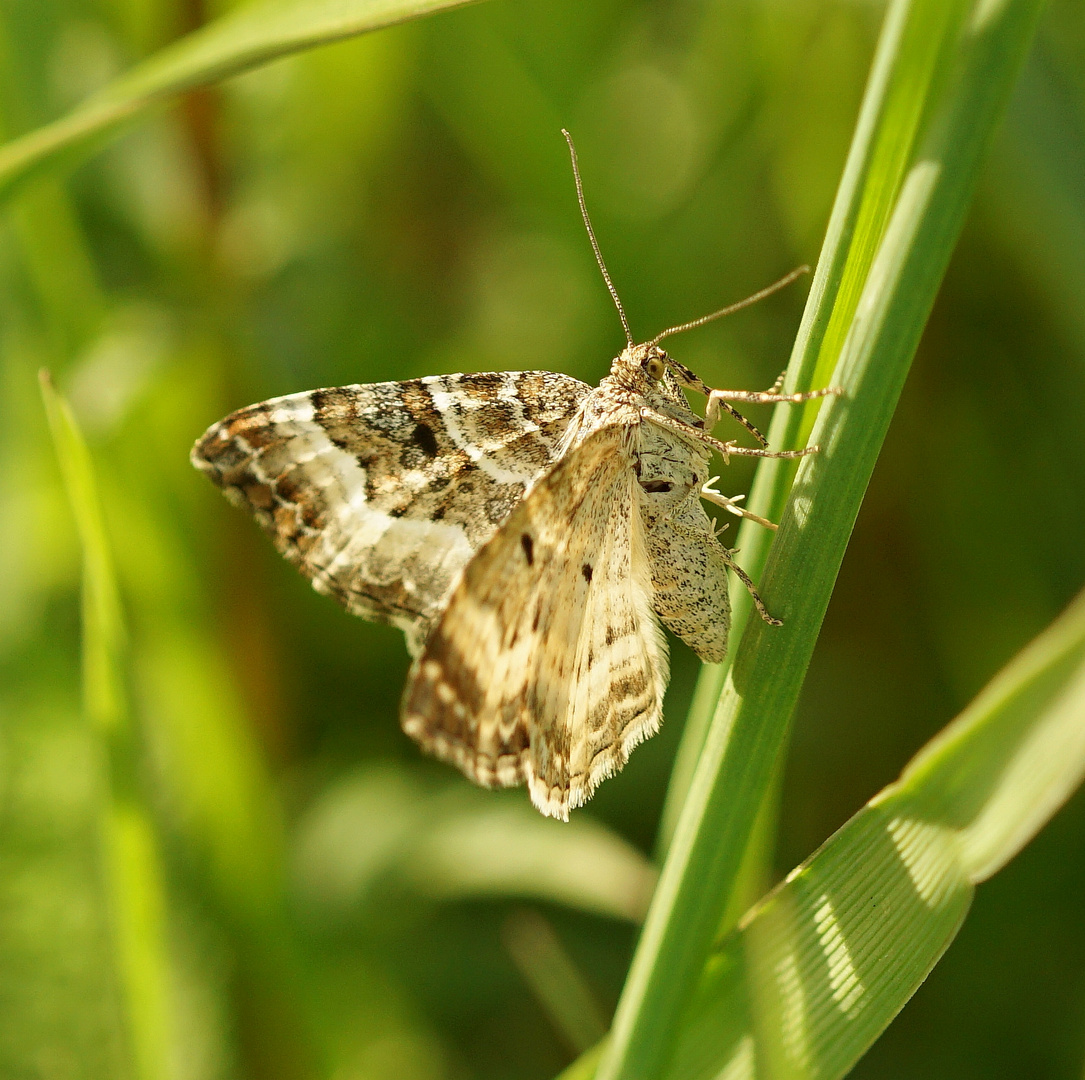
x: 329, y: 902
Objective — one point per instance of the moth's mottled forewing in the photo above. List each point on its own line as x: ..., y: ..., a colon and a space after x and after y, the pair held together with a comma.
x: 381, y: 493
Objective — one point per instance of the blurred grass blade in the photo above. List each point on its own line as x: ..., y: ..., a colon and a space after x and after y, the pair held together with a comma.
x: 941, y: 79
x: 548, y: 969
x: 379, y: 827
x: 243, y: 39
x: 820, y: 967
x: 509, y: 851
x: 130, y: 859
x: 103, y: 626
x: 1038, y: 191
x: 212, y: 784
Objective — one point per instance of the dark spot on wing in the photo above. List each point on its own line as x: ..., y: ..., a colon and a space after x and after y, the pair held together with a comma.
x: 586, y: 571
x: 260, y: 496
x: 423, y: 436
x: 516, y: 742
x: 616, y: 633
x: 529, y: 548
x: 331, y: 402
x: 286, y: 488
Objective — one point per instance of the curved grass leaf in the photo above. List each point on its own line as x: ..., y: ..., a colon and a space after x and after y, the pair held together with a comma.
x: 379, y: 827
x: 503, y: 851
x: 941, y: 78
x: 818, y: 969
x: 243, y: 39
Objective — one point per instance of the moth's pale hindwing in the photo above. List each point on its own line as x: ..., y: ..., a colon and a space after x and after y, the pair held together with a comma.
x: 548, y: 664
x: 689, y: 575
x: 688, y: 563
x: 381, y: 493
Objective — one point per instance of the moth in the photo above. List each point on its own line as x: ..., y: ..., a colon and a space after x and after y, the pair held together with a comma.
x: 528, y: 532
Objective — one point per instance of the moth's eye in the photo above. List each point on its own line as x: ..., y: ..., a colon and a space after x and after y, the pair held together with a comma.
x: 655, y: 368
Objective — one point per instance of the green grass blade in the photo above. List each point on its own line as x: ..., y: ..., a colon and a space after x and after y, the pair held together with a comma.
x: 960, y: 79
x: 130, y: 861
x: 216, y: 795
x: 820, y: 967
x: 243, y: 39
x: 103, y: 625
x: 910, y: 54
x: 997, y: 774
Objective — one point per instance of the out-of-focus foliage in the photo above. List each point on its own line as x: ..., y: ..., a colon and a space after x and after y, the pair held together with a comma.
x: 400, y: 205
x: 247, y: 37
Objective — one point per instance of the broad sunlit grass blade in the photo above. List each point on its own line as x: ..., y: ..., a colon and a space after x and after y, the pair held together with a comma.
x: 819, y: 968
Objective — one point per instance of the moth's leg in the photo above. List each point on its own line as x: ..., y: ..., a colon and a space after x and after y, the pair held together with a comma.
x: 750, y: 588
x: 729, y: 504
x: 689, y: 578
x: 695, y: 383
x: 726, y: 449
x: 719, y: 399
x: 712, y: 415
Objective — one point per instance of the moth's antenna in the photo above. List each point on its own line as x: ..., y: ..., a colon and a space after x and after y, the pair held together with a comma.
x: 595, y: 243
x: 787, y: 279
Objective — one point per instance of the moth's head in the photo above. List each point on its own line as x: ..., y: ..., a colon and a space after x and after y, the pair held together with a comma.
x: 641, y: 365
x: 647, y: 370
